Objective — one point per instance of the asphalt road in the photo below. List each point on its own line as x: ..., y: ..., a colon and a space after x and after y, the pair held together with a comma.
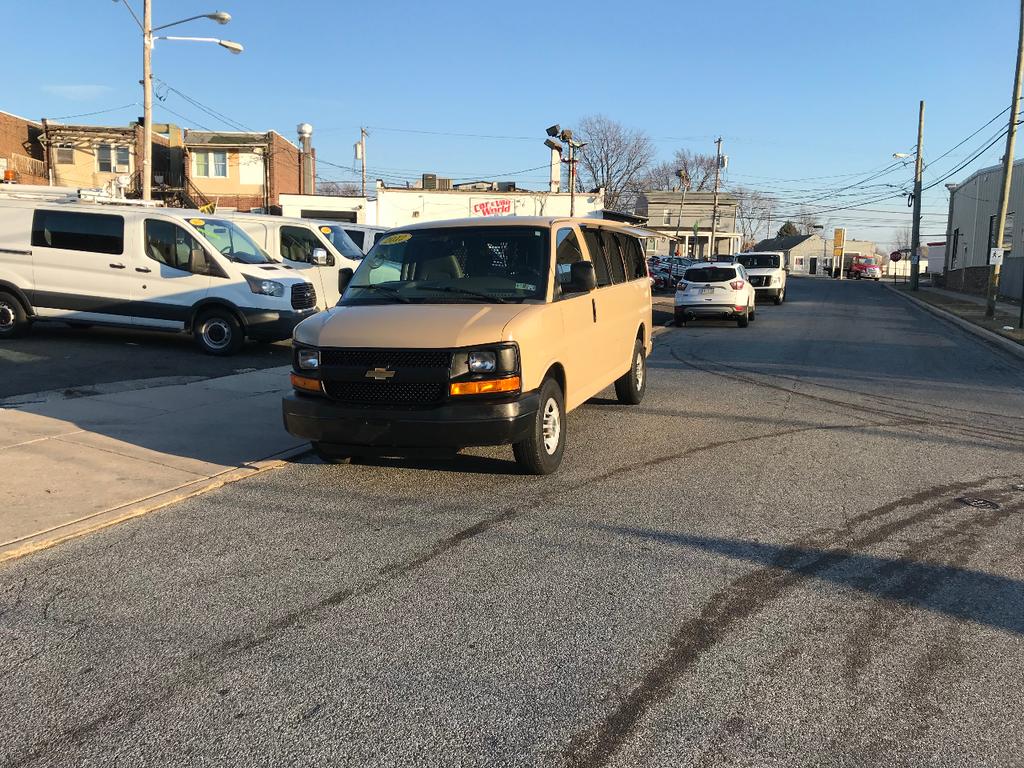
x: 803, y: 548
x: 59, y: 359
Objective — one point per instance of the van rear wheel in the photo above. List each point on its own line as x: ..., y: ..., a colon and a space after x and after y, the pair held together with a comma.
x: 219, y: 333
x: 631, y: 386
x: 541, y: 452
x: 13, y: 320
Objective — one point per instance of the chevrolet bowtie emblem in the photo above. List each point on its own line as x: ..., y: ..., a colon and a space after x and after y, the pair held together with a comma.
x: 379, y: 374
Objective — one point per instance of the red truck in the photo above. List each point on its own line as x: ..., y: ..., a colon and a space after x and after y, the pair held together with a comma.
x: 861, y: 266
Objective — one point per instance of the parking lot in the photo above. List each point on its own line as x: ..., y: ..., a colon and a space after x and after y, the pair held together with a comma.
x: 801, y: 549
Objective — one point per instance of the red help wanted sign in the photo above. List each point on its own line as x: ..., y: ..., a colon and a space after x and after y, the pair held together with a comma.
x: 501, y: 207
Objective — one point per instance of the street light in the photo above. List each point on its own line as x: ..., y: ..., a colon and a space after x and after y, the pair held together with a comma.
x: 558, y: 135
x: 146, y: 25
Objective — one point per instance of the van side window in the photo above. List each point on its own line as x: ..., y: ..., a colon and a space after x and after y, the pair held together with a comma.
x: 297, y: 244
x: 611, y: 250
x: 593, y: 241
x: 94, y: 232
x: 167, y: 243
x: 630, y: 247
x: 357, y: 237
x: 567, y: 253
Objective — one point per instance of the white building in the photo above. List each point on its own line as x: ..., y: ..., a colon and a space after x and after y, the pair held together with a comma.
x: 396, y: 207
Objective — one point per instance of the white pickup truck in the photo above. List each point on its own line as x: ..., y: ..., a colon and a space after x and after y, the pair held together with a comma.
x: 767, y: 271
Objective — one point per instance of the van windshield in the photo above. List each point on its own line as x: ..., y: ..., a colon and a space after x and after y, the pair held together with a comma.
x: 231, y: 241
x: 341, y: 241
x: 454, y: 265
x: 759, y: 260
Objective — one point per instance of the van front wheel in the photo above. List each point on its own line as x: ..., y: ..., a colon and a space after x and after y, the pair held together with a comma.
x: 630, y: 388
x: 13, y: 320
x: 541, y: 452
x: 218, y: 333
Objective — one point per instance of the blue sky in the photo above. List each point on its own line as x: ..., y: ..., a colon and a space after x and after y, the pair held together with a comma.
x: 797, y: 88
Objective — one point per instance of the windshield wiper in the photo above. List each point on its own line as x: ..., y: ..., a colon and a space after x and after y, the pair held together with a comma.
x: 384, y: 289
x: 465, y: 292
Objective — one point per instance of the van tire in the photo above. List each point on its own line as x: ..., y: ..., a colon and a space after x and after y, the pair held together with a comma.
x: 780, y: 297
x: 630, y: 387
x: 218, y: 332
x: 13, y: 320
x: 532, y: 454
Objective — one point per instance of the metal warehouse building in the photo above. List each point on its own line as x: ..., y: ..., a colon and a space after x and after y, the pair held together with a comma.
x: 973, y: 208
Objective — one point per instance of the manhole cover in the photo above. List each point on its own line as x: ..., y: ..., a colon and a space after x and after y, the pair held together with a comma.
x: 977, y: 503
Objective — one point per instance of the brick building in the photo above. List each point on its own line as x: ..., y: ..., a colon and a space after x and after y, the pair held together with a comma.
x: 21, y: 152
x: 242, y: 170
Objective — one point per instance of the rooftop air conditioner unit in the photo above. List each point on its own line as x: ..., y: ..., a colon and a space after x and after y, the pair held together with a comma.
x: 444, y: 184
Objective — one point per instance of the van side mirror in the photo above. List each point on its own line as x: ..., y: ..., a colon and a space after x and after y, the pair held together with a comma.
x: 583, y: 277
x: 320, y: 257
x: 344, y: 278
x: 197, y: 262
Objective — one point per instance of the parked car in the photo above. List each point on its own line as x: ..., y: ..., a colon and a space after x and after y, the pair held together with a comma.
x: 719, y: 290
x: 318, y: 250
x: 767, y: 271
x: 473, y: 332
x: 142, y: 267
x: 365, y: 236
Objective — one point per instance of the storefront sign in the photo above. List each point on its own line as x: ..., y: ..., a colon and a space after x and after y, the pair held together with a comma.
x: 501, y: 207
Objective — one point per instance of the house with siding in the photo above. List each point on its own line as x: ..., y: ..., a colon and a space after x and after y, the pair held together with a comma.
x: 682, y: 221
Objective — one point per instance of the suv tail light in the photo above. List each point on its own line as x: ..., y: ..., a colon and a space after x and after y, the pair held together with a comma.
x: 736, y: 285
x: 681, y: 285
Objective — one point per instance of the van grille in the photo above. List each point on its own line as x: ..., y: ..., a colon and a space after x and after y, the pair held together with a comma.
x: 385, y: 393
x: 303, y: 296
x: 387, y: 358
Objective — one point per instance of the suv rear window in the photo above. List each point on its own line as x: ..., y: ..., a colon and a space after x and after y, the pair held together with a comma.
x: 709, y: 275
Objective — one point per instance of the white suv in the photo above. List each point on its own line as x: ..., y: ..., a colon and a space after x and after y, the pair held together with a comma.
x: 767, y: 271
x: 720, y: 291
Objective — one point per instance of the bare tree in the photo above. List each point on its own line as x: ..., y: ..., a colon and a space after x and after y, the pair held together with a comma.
x: 615, y: 158
x: 337, y: 188
x: 699, y: 172
x: 753, y: 210
x: 903, y: 239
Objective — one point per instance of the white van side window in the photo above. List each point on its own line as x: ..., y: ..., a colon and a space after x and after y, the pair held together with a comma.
x: 72, y: 231
x: 167, y: 243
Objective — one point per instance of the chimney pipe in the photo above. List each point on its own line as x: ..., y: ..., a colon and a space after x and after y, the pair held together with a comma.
x: 555, y: 183
x: 306, y: 174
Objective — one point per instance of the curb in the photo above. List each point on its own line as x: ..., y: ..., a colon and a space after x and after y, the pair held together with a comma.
x: 1007, y: 345
x: 115, y: 515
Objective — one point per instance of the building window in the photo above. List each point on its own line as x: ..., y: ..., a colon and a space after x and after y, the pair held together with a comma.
x: 210, y: 165
x: 112, y: 159
x: 65, y: 154
x: 668, y: 217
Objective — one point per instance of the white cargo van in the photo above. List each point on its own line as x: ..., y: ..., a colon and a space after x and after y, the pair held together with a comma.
x: 318, y: 250
x: 144, y: 267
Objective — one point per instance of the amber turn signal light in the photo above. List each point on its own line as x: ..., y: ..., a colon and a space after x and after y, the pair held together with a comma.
x: 305, y: 384
x: 485, y: 387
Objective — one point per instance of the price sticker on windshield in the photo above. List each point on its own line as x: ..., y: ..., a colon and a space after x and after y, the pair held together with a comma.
x: 325, y: 230
x: 395, y: 239
x: 197, y: 222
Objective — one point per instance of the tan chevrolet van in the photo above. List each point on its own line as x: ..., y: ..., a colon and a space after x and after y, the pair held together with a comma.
x: 471, y: 332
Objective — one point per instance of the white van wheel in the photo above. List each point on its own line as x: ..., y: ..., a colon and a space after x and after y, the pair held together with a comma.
x: 13, y: 321
x: 218, y: 333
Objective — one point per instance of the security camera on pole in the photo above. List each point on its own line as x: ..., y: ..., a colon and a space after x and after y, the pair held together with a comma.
x: 556, y: 132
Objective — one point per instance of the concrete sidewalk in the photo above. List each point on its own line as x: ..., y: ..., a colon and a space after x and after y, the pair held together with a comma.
x: 71, y: 465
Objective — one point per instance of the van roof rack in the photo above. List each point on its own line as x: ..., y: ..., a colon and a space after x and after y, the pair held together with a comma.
x: 70, y: 195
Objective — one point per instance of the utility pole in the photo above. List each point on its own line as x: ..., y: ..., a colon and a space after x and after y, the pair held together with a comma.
x: 147, y: 99
x: 572, y: 175
x: 915, y: 237
x: 712, y: 246
x: 683, y: 182
x: 362, y: 155
x: 1004, y: 193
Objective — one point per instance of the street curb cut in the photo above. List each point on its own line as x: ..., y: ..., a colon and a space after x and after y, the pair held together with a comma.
x: 109, y: 517
x: 985, y: 334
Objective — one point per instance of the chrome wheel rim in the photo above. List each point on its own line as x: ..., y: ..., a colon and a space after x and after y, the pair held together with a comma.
x: 638, y: 373
x: 216, y: 333
x: 552, y: 426
x: 6, y: 316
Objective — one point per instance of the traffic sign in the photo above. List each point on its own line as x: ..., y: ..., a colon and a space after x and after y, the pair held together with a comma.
x: 895, y: 256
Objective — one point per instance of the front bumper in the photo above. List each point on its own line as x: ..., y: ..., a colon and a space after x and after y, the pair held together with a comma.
x: 273, y: 325
x: 452, y: 425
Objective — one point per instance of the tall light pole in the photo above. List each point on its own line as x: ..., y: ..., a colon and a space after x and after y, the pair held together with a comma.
x: 915, y: 237
x: 556, y: 133
x: 146, y: 25
x: 712, y: 247
x: 1004, y: 192
x: 684, y: 182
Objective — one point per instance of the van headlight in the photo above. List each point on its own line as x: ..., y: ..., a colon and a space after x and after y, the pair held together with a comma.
x: 265, y: 287
x: 483, y: 361
x: 308, y: 359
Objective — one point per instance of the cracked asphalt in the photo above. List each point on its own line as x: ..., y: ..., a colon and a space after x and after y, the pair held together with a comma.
x: 802, y: 549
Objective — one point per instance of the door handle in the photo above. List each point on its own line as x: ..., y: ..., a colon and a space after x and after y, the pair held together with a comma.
x: 117, y: 266
x: 144, y: 270
x: 593, y: 305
